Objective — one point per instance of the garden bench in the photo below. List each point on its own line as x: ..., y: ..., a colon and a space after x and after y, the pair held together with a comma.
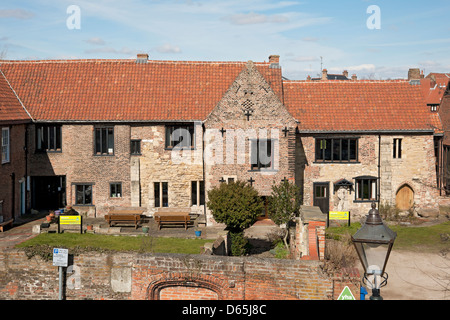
x: 172, y: 217
x: 5, y: 223
x: 124, y: 216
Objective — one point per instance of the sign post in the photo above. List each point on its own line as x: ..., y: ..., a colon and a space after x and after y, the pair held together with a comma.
x: 60, y: 259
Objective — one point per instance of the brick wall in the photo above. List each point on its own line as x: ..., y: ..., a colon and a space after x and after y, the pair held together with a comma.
x: 167, y: 276
x: 16, y: 165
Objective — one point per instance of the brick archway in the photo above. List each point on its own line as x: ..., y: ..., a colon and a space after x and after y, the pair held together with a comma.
x: 195, y: 285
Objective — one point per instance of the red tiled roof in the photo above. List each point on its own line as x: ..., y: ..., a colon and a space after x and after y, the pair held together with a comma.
x: 10, y: 108
x: 123, y: 90
x: 329, y: 106
x: 434, y: 87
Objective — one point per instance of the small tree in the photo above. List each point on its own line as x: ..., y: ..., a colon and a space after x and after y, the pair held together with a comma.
x: 236, y: 204
x: 284, y: 203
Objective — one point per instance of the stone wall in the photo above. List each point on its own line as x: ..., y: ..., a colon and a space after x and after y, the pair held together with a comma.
x: 166, y: 276
x: 416, y: 168
x: 248, y: 111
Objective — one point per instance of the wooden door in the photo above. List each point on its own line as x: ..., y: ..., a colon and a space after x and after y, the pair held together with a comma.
x: 405, y: 198
x: 322, y: 196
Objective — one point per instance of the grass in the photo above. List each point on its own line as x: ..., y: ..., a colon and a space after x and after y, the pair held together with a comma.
x: 116, y: 243
x: 409, y: 238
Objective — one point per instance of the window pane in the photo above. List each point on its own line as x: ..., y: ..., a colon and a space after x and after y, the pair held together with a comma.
x: 337, y: 149
x: 165, y: 194
x: 98, y: 140
x: 326, y: 145
x: 373, y: 189
x: 87, y: 194
x: 254, y: 154
x: 157, y: 194
x: 110, y: 141
x: 79, y: 194
x: 194, y: 193
x: 104, y: 141
x: 202, y: 192
x: 353, y: 149
x: 344, y: 150
x: 265, y: 153
x: 365, y: 191
x: 58, y: 137
x: 51, y: 145
x: 319, y: 153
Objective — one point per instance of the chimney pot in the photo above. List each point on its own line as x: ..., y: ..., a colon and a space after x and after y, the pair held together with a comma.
x: 354, y: 77
x: 345, y: 73
x: 324, y: 74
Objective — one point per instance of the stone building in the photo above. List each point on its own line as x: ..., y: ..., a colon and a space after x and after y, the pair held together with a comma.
x: 155, y: 134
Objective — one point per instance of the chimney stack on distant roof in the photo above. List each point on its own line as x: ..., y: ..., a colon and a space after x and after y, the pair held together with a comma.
x: 354, y: 77
x: 274, y: 61
x: 414, y: 74
x: 345, y: 73
x: 324, y: 74
x: 142, y: 58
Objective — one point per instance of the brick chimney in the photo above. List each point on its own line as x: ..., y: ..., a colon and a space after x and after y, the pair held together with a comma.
x: 414, y: 74
x: 274, y: 61
x: 354, y: 77
x: 324, y: 74
x: 345, y: 73
x: 142, y: 58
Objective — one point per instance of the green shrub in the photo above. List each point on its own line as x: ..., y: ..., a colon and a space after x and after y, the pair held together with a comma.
x: 239, y: 244
x: 236, y: 204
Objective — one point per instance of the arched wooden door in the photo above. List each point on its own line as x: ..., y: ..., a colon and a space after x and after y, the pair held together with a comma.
x: 405, y: 198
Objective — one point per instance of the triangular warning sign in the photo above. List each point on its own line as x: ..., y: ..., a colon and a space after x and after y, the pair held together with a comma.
x: 346, y: 294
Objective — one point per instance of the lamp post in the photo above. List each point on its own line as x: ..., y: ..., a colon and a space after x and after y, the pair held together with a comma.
x: 373, y: 243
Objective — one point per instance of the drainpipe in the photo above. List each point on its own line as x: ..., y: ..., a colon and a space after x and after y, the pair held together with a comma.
x: 203, y: 169
x: 13, y: 194
x: 379, y: 169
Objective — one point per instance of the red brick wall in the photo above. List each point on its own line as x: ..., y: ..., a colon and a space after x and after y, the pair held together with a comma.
x: 171, y: 276
x: 17, y: 166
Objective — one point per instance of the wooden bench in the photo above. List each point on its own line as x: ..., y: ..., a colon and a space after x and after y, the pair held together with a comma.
x: 124, y: 216
x: 172, y: 218
x: 5, y: 223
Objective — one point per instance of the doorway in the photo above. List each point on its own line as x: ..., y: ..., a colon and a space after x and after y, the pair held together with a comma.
x: 322, y: 196
x: 404, y: 199
x: 48, y: 192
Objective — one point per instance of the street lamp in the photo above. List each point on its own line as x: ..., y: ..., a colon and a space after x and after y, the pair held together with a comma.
x: 373, y: 243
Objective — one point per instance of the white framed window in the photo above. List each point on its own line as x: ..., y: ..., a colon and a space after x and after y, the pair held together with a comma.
x: 5, y: 145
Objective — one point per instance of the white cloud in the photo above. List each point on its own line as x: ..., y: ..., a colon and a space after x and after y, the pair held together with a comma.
x: 96, y: 41
x: 168, y: 48
x: 361, y: 68
x: 16, y: 13
x: 255, y: 18
x: 123, y: 50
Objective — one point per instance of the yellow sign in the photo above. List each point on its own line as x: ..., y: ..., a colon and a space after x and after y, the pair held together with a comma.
x: 338, y: 215
x: 69, y: 219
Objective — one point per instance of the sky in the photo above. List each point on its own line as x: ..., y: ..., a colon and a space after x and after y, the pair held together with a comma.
x: 380, y: 43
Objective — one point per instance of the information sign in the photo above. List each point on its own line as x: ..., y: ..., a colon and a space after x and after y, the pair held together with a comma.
x: 338, y: 215
x: 60, y: 257
x: 69, y: 219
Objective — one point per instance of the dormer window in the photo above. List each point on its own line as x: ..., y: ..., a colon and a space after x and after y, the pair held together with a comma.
x: 433, y: 107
